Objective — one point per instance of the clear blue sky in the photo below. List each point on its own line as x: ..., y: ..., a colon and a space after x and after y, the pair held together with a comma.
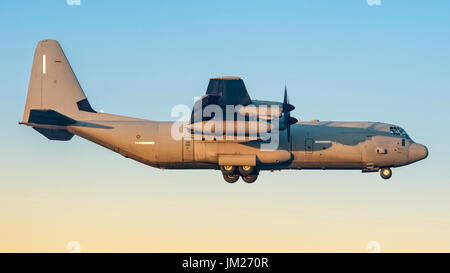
x: 341, y: 60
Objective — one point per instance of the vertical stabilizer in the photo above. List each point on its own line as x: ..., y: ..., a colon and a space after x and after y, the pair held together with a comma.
x: 53, y: 85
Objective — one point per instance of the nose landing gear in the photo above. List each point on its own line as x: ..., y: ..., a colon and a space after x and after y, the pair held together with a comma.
x: 385, y: 173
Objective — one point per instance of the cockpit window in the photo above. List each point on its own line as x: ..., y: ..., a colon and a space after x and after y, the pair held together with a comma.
x: 398, y: 131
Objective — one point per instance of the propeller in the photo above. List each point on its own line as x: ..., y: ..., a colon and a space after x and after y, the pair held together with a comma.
x: 287, y: 108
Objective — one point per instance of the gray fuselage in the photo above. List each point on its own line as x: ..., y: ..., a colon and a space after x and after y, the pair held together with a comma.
x: 314, y: 145
x: 57, y: 108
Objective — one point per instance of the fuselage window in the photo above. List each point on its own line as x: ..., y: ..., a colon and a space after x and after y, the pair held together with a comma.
x: 403, y: 142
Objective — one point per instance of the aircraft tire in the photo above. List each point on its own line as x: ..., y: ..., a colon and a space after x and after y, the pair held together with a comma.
x: 231, y: 178
x: 246, y: 170
x: 385, y: 173
x: 249, y: 178
x: 228, y: 169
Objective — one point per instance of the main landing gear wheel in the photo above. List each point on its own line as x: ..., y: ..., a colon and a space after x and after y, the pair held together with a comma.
x: 250, y: 178
x: 386, y: 173
x: 231, y: 178
x: 246, y: 170
x: 228, y: 169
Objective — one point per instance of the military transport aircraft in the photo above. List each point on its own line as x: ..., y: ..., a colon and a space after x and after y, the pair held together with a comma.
x: 57, y: 108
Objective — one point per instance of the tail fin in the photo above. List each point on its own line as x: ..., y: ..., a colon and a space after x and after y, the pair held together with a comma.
x: 53, y: 85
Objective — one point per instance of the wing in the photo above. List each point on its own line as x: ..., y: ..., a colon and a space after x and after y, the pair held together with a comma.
x: 230, y: 90
x: 222, y: 91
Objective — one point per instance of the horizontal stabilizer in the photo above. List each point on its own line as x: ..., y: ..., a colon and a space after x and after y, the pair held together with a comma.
x: 49, y: 117
x: 53, y: 134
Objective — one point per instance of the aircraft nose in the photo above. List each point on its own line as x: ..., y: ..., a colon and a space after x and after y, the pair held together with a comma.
x: 417, y: 152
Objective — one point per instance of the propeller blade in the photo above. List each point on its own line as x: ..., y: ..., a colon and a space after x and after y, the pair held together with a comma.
x: 286, y: 99
x: 287, y: 108
x: 292, y: 120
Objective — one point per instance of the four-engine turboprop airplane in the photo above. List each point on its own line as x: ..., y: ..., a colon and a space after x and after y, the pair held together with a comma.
x: 57, y: 108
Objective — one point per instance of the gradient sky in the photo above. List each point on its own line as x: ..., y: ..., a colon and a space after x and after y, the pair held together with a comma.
x: 341, y: 60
